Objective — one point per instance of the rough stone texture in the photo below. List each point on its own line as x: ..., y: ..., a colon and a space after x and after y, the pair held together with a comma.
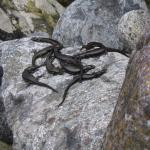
x: 128, y: 5
x: 5, y: 132
x: 130, y: 124
x: 34, y: 15
x: 32, y: 112
x: 96, y: 20
x: 85, y: 21
x: 132, y: 26
x: 5, y: 23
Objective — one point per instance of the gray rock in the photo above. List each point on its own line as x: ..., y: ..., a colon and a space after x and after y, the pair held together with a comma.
x: 85, y: 21
x: 97, y: 20
x: 132, y: 26
x: 32, y: 112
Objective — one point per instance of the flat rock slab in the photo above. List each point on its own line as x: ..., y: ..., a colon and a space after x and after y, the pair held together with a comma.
x: 32, y: 112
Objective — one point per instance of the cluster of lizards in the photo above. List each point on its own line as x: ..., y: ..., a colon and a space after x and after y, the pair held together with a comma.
x: 69, y: 64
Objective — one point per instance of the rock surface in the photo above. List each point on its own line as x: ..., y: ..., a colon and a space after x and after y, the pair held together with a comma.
x: 32, y: 112
x: 132, y: 26
x: 85, y: 21
x: 130, y: 124
x: 33, y: 15
x: 97, y: 20
x: 128, y: 5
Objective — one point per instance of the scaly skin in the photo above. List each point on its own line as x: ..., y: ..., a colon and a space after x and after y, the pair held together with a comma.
x: 41, y: 53
x: 29, y: 78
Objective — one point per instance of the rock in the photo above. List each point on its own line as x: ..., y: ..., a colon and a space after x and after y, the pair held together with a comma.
x: 34, y: 15
x: 5, y: 131
x: 132, y: 26
x: 97, y: 20
x: 85, y: 21
x: 130, y: 124
x: 128, y: 5
x: 32, y: 112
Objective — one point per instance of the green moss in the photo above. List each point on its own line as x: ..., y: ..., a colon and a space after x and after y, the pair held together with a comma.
x: 4, y: 146
x: 48, y: 19
x: 32, y: 8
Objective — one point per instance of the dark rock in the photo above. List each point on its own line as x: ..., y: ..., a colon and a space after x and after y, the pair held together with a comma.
x: 130, y: 124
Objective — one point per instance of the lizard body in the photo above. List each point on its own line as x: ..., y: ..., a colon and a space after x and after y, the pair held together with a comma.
x: 28, y: 77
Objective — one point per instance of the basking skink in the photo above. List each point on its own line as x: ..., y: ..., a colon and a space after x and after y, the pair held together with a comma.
x: 74, y: 70
x: 28, y: 77
x: 92, y: 45
x: 84, y: 78
x: 47, y: 40
x: 68, y: 59
x: 91, y: 53
x: 50, y: 67
x: 41, y: 53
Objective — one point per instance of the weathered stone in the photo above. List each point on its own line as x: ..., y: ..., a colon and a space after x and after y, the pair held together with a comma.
x: 128, y: 5
x: 34, y: 15
x: 132, y: 26
x: 97, y: 20
x: 32, y: 112
x: 5, y: 132
x: 130, y: 124
x: 85, y: 21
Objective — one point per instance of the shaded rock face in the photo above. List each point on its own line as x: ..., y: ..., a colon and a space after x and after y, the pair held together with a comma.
x: 97, y: 20
x: 130, y: 124
x: 132, y: 26
x: 32, y: 112
x: 65, y: 3
x: 5, y: 132
x: 128, y: 5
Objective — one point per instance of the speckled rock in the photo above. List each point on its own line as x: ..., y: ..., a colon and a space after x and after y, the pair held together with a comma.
x: 32, y: 112
x: 85, y: 21
x: 132, y: 26
x: 5, y: 23
x: 96, y: 20
x: 130, y: 124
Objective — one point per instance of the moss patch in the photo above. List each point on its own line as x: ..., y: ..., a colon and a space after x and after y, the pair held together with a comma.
x: 4, y: 146
x: 49, y: 20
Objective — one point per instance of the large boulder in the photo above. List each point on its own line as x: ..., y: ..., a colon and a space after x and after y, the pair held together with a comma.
x: 130, y: 124
x: 32, y: 112
x: 97, y: 20
x: 132, y: 26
